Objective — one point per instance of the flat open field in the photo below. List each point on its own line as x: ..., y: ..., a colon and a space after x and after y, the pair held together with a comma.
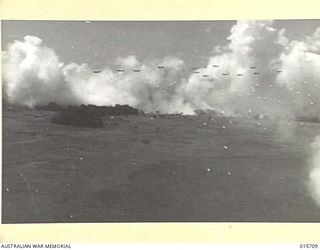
x: 155, y: 168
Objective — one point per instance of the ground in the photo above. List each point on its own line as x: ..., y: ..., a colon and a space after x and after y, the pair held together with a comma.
x: 156, y: 168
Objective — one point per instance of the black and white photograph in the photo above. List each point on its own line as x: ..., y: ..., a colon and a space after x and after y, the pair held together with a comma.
x: 160, y: 121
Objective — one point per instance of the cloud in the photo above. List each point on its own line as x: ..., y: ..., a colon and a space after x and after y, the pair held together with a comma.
x: 32, y: 74
x: 314, y: 176
x: 128, y: 62
x: 242, y: 77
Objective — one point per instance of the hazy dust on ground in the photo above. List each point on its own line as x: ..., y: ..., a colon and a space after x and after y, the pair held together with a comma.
x: 155, y: 168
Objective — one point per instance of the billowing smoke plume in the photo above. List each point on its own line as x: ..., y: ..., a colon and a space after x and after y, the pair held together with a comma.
x: 300, y: 62
x: 33, y: 75
x: 259, y: 71
x: 315, y: 171
x: 242, y: 77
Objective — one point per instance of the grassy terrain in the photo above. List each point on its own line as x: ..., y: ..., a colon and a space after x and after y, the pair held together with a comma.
x: 155, y: 168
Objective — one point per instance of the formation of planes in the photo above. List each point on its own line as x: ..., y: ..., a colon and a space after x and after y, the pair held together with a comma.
x: 195, y: 71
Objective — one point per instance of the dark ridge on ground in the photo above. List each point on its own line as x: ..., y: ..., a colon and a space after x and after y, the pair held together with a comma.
x: 103, y: 110
x: 52, y: 106
x: 308, y: 119
x: 90, y: 116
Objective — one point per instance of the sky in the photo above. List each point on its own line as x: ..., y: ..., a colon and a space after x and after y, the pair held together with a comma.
x: 99, y: 43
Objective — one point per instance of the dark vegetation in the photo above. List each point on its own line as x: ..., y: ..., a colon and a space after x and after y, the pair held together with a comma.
x: 90, y: 116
